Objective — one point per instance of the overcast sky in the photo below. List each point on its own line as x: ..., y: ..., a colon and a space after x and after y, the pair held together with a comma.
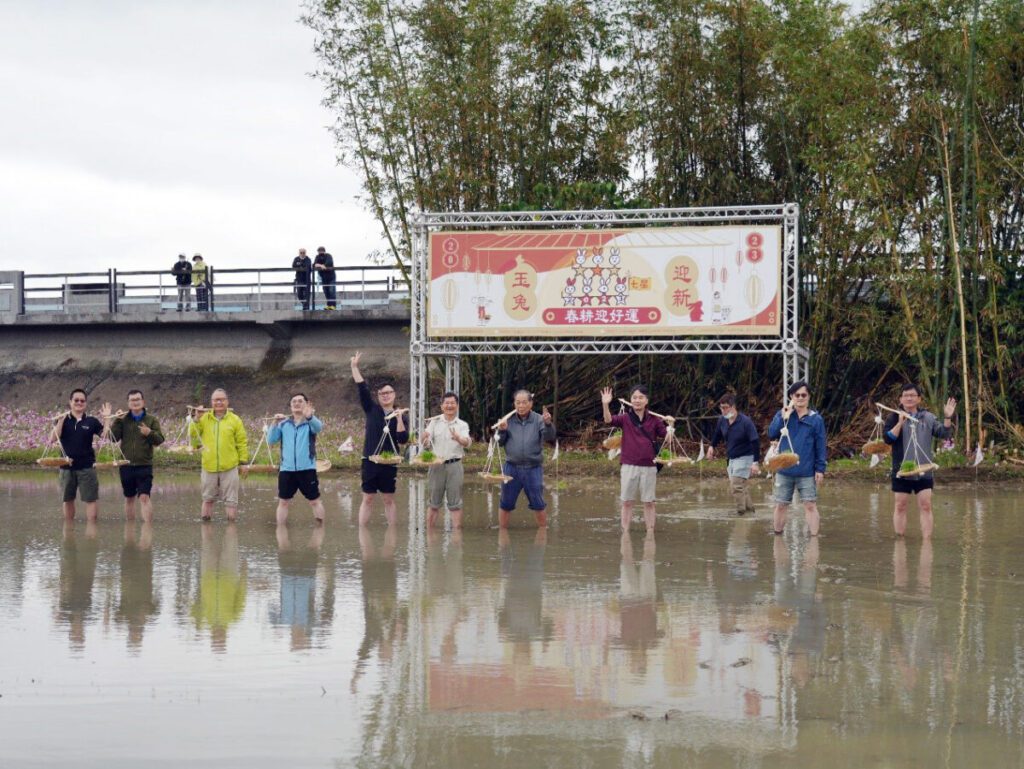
x: 132, y: 131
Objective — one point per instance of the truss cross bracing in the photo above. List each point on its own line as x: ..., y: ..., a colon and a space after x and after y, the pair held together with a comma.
x: 795, y: 358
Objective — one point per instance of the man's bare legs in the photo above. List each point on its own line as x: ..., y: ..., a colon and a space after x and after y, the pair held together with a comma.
x: 145, y: 504
x: 811, y: 515
x: 627, y: 514
x: 207, y: 511
x: 366, y: 508
x: 924, y: 509
x: 434, y: 512
x: 649, y: 516
x: 283, y: 506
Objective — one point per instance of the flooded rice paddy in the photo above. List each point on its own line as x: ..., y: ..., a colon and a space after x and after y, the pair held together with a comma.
x: 713, y: 644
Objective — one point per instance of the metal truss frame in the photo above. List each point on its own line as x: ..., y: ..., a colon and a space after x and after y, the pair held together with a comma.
x: 795, y: 358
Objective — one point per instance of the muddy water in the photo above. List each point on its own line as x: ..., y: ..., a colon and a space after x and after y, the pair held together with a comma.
x: 712, y: 645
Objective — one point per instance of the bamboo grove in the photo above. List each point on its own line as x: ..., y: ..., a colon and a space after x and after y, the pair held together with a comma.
x: 898, y: 129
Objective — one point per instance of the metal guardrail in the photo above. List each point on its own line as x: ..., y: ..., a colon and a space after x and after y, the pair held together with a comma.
x: 227, y: 290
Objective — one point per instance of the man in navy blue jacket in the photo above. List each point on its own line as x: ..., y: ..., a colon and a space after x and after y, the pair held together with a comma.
x: 807, y: 434
x: 742, y: 447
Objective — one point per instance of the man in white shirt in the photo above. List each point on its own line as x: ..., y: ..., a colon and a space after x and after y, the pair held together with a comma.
x: 448, y: 437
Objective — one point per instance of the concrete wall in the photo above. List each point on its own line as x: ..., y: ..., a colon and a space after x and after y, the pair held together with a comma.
x: 40, y: 363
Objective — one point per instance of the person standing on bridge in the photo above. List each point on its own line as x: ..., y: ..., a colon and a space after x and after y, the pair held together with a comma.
x: 200, y: 283
x: 523, y: 435
x: 76, y: 432
x: 378, y: 478
x: 303, y: 277
x: 221, y: 435
x: 324, y: 264
x: 139, y: 433
x: 182, y: 272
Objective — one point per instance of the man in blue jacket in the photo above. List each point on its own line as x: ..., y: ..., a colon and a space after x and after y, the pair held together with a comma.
x: 807, y: 434
x: 297, y: 436
x: 523, y: 435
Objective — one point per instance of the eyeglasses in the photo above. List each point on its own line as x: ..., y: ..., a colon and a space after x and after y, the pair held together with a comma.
x: 801, y: 395
x: 78, y: 400
x: 385, y: 392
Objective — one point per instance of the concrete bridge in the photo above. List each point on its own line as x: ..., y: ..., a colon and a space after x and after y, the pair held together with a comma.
x: 257, y: 334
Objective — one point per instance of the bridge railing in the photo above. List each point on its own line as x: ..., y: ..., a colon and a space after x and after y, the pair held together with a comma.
x: 227, y: 290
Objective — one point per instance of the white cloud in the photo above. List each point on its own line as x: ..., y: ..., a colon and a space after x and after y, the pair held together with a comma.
x: 132, y: 131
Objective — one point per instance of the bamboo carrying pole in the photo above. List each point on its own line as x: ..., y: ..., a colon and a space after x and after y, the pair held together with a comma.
x: 655, y: 414
x: 507, y: 416
x: 898, y: 411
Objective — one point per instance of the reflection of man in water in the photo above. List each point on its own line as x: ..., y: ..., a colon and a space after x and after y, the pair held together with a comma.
x: 222, y: 584
x: 77, y: 572
x: 914, y: 623
x: 298, y: 585
x: 444, y: 578
x: 383, y: 619
x: 521, y: 615
x: 638, y: 599
x: 797, y: 592
x: 137, y: 603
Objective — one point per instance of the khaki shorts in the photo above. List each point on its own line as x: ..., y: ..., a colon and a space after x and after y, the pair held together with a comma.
x: 74, y: 481
x: 445, y: 482
x: 221, y: 486
x: 636, y: 479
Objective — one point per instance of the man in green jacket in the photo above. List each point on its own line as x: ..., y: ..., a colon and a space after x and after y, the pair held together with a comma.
x: 139, y: 432
x: 221, y: 435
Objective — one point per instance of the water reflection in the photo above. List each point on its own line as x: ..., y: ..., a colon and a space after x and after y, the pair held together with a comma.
x: 137, y: 604
x: 716, y: 645
x: 222, y: 583
x: 78, y: 553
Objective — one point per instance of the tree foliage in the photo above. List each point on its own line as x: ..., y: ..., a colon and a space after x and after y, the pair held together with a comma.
x: 899, y: 131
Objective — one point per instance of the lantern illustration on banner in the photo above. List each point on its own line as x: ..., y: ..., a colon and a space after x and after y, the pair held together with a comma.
x: 449, y: 297
x: 753, y: 292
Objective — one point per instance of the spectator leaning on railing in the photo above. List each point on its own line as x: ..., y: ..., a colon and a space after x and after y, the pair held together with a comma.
x: 324, y: 264
x: 303, y: 277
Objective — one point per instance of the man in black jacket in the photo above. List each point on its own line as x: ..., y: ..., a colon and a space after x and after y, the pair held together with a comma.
x: 303, y: 277
x: 324, y: 264
x: 182, y: 272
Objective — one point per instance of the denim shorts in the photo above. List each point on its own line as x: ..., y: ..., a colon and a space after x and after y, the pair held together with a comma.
x: 784, y: 485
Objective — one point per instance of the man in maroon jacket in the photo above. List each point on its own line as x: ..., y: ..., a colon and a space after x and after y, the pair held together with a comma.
x: 642, y: 435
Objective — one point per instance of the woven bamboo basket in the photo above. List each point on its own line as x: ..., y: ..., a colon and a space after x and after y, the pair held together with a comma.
x: 782, y: 460
x: 53, y: 461
x: 246, y: 469
x: 918, y: 470
x: 323, y: 465
x: 382, y: 460
x: 420, y: 461
x: 876, y: 447
x: 495, y: 477
x: 111, y: 465
x: 613, y: 441
x: 180, y: 449
x: 673, y: 461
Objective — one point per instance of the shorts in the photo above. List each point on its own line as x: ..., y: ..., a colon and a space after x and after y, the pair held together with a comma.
x: 445, y: 483
x: 379, y: 478
x: 740, y: 466
x: 635, y: 479
x: 290, y: 481
x: 136, y: 479
x: 784, y: 485
x: 221, y: 486
x: 74, y: 481
x: 912, y: 485
x: 524, y: 478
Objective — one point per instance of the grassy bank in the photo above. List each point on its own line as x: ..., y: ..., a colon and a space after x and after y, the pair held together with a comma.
x: 592, y: 463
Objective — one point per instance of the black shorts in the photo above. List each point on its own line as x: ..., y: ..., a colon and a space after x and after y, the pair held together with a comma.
x: 290, y: 481
x: 912, y: 485
x: 136, y: 479
x: 382, y: 478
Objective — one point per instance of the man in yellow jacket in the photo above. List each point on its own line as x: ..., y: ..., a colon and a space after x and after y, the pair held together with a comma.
x: 221, y: 435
